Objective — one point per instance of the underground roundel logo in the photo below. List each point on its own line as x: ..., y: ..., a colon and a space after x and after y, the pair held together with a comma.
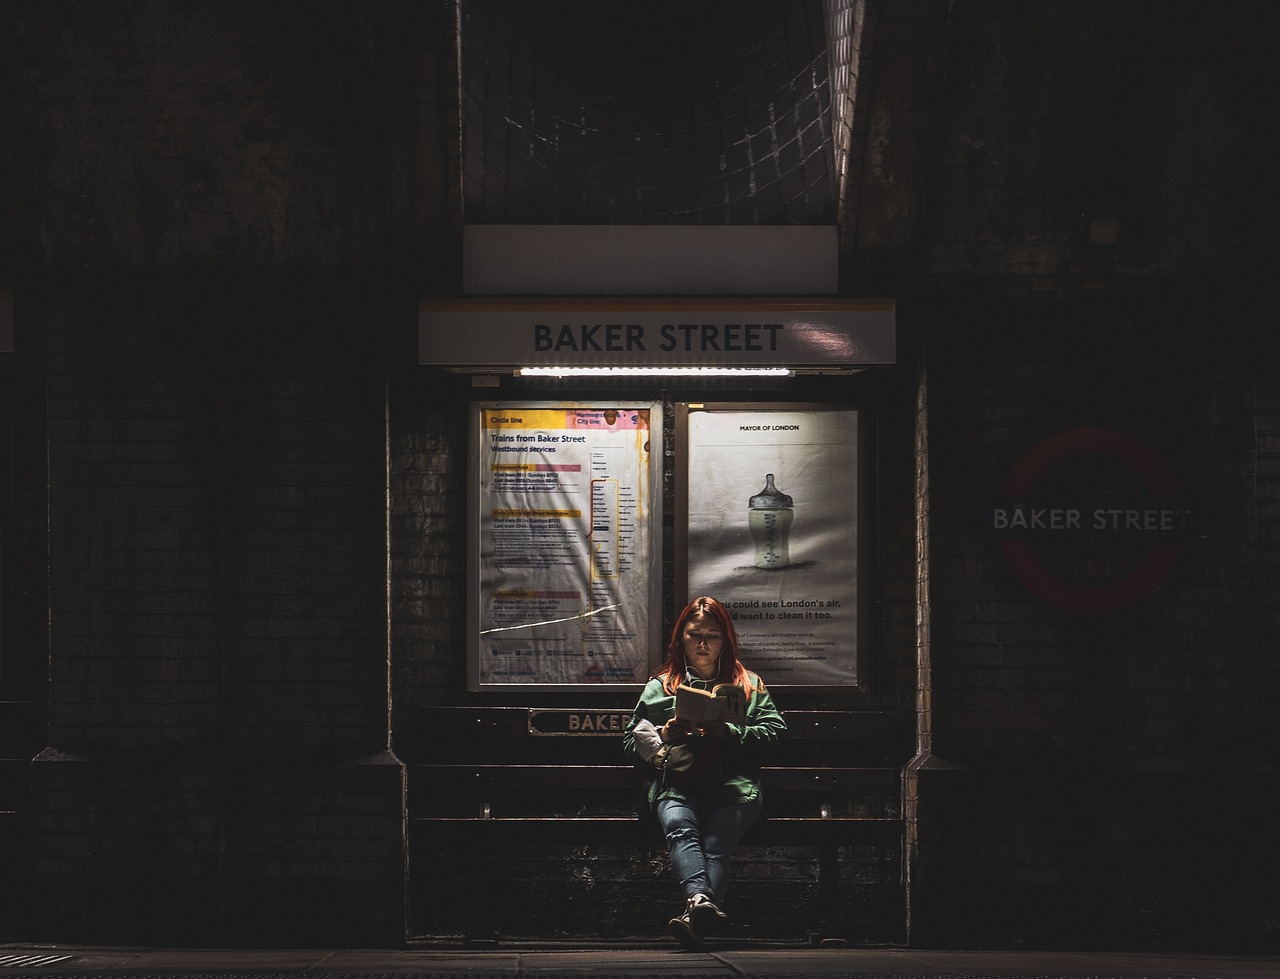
x: 1092, y: 520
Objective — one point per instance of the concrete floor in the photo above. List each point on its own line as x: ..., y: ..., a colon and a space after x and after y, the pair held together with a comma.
x: 729, y: 961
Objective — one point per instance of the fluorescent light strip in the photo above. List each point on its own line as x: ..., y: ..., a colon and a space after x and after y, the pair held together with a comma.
x: 655, y: 371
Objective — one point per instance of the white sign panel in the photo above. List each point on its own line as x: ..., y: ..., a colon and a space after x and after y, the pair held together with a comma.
x: 678, y: 332
x: 650, y: 259
x: 772, y: 501
x: 565, y: 558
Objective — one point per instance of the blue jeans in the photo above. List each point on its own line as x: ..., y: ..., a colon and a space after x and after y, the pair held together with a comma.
x: 701, y: 841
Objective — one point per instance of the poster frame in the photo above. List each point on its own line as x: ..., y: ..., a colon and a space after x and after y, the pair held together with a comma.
x: 653, y: 533
x: 685, y: 462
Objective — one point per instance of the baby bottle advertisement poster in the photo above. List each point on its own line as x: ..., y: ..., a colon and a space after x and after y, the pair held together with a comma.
x: 772, y: 504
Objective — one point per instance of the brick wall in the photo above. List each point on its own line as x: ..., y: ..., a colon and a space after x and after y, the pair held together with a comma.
x: 216, y: 225
x: 217, y: 479
x: 428, y: 540
x: 134, y: 524
x: 277, y: 137
x: 1176, y: 672
x: 1074, y: 217
x: 218, y: 619
x: 1112, y: 764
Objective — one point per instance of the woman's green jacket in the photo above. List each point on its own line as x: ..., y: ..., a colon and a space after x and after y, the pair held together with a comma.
x: 736, y: 777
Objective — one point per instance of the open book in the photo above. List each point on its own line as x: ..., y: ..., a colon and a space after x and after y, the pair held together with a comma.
x: 723, y: 702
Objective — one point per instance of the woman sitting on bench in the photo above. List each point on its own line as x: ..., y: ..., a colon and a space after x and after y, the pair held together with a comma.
x: 706, y: 788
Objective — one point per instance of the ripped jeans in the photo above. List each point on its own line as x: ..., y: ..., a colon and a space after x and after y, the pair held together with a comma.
x: 701, y: 841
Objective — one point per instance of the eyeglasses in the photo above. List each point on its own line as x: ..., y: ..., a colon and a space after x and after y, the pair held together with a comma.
x: 698, y: 638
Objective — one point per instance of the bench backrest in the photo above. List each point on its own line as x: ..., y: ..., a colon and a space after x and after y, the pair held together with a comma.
x: 509, y: 761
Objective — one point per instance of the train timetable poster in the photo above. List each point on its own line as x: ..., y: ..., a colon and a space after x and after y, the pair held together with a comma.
x: 565, y: 560
x: 771, y: 499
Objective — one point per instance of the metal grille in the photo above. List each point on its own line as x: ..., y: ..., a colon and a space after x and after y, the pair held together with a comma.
x: 647, y: 112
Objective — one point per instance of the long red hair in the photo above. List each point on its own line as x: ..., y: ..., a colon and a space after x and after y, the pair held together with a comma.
x: 673, y: 669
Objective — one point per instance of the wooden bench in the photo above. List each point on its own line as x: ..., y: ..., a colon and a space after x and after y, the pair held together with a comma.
x: 555, y: 776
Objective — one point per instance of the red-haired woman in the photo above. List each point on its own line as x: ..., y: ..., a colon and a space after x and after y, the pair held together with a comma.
x: 707, y: 791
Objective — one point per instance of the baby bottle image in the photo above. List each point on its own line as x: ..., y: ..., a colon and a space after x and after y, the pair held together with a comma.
x: 769, y: 515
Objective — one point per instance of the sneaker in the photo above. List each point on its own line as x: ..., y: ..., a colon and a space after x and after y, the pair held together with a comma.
x: 682, y: 930
x: 704, y: 914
